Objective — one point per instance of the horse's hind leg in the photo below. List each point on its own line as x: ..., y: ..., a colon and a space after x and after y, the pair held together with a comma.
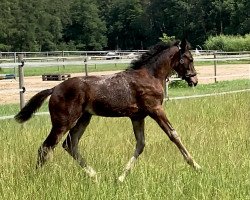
x: 49, y: 144
x: 138, y: 127
x: 159, y: 116
x: 71, y: 142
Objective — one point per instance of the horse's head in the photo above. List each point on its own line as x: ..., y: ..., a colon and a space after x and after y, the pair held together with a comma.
x: 185, y: 66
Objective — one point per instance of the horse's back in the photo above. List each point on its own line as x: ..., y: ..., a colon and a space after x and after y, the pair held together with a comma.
x: 117, y: 95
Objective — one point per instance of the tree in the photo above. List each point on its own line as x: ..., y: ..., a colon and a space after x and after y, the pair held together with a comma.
x: 45, y: 25
x: 7, y: 19
x: 126, y: 25
x: 239, y: 18
x: 52, y: 17
x: 87, y: 30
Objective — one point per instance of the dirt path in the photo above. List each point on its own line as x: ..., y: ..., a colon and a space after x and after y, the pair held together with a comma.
x: 34, y: 84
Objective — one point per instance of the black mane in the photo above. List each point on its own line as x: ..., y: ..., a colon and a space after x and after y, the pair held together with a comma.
x: 148, y: 58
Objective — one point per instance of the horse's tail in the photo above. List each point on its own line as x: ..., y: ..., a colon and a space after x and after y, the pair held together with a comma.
x: 32, y: 106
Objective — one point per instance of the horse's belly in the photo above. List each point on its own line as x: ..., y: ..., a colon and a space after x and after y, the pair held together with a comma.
x: 113, y: 109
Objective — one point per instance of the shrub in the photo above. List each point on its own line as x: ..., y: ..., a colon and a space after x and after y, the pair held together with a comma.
x: 228, y: 43
x: 167, y: 39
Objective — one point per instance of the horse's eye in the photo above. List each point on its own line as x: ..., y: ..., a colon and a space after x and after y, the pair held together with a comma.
x: 182, y: 61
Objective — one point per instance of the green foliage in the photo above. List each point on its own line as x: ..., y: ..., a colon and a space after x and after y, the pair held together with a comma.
x: 126, y: 24
x: 228, y: 43
x: 86, y: 29
x: 4, y: 47
x: 178, y: 84
x: 46, y: 25
x: 166, y: 38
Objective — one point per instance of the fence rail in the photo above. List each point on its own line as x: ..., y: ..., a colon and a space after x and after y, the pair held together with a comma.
x: 64, y: 63
x: 9, y: 59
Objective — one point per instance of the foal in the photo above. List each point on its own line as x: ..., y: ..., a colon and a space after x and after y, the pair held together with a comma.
x: 135, y: 93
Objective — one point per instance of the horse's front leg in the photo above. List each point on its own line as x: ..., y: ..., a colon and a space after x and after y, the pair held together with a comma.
x: 159, y: 116
x: 138, y: 127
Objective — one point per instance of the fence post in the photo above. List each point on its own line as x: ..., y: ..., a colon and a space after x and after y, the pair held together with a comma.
x: 21, y: 82
x: 14, y: 57
x: 86, y: 66
x: 215, y: 67
x: 165, y: 85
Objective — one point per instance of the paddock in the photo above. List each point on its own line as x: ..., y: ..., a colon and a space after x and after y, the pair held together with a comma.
x: 216, y: 130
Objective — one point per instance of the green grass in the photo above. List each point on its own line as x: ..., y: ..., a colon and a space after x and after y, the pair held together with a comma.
x: 215, y: 130
x: 37, y: 71
x: 12, y: 109
x: 180, y: 88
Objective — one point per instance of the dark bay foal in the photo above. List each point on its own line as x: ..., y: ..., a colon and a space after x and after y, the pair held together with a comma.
x: 135, y: 93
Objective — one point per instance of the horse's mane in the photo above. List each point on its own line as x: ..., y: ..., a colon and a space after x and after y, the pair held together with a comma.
x: 148, y: 58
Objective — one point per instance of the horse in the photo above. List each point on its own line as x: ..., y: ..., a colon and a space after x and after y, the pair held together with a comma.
x: 136, y: 92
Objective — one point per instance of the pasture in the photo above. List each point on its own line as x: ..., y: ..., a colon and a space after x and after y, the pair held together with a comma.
x: 214, y: 129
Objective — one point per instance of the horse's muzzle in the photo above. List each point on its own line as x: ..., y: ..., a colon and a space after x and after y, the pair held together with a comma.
x: 191, y: 80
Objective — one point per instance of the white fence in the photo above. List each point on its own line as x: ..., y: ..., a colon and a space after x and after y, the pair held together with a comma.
x: 40, y: 59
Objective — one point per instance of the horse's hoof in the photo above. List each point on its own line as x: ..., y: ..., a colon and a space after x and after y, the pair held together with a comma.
x: 121, y: 178
x: 90, y: 171
x: 197, y: 167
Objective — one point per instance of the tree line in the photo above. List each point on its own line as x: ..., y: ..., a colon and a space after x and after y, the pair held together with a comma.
x: 46, y: 25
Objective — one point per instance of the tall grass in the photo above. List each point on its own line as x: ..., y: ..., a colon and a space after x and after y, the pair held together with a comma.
x: 215, y: 130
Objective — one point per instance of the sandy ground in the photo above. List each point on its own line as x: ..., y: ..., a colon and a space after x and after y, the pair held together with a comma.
x: 10, y: 94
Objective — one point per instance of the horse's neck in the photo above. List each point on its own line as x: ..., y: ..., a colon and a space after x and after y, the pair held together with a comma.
x: 165, y: 68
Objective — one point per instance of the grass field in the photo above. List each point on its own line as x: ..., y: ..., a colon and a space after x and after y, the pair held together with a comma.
x: 215, y: 130
x: 36, y: 71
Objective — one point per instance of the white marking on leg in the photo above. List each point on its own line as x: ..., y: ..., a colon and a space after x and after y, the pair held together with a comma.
x: 130, y: 164
x: 128, y: 167
x: 174, y: 133
x: 196, y: 166
x: 122, y: 177
x: 185, y: 153
x: 90, y: 171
